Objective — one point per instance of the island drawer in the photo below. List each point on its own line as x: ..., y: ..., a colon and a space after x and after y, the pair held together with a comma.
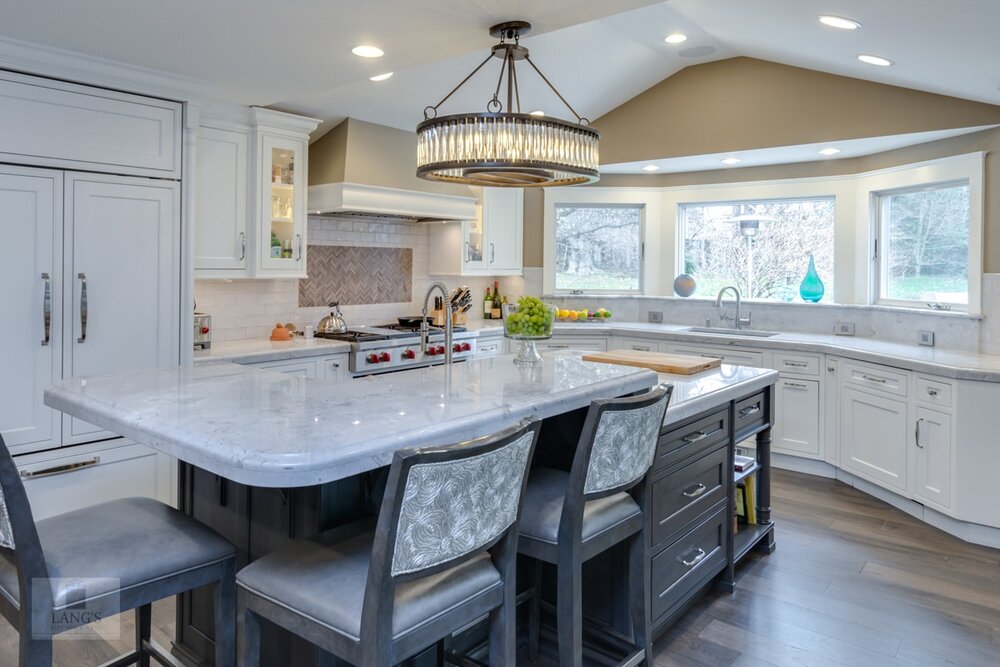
x: 691, y: 438
x: 750, y: 413
x: 683, y: 567
x: 680, y: 497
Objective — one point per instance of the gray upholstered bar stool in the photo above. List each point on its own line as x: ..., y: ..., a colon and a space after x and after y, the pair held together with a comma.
x: 570, y: 517
x: 67, y: 570
x: 442, y: 554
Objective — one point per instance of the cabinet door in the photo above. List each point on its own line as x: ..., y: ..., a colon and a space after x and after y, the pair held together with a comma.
x: 797, y: 416
x: 30, y: 301
x: 220, y: 225
x: 932, y: 439
x: 874, y: 438
x: 335, y: 368
x: 282, y: 207
x: 503, y: 218
x: 474, y: 244
x: 122, y: 265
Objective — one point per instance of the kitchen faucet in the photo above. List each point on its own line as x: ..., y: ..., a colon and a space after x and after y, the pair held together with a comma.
x: 738, y: 319
x: 424, y: 329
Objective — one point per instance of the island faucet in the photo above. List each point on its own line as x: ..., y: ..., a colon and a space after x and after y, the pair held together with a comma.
x: 739, y: 321
x: 424, y: 329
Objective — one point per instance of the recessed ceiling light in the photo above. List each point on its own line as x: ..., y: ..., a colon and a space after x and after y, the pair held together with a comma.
x: 537, y: 112
x: 874, y: 60
x: 839, y: 22
x: 367, y: 51
x: 675, y: 38
x: 380, y: 77
x: 650, y: 167
x: 732, y: 160
x: 829, y: 151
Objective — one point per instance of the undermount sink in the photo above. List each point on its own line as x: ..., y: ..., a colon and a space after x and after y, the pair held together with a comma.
x: 726, y: 331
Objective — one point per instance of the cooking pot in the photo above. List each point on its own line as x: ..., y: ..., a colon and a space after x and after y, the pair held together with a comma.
x: 332, y: 323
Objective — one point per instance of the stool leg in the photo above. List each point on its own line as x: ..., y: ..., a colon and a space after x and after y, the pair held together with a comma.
x: 534, y: 620
x: 225, y: 617
x: 35, y: 652
x: 248, y: 632
x: 638, y: 599
x: 143, y: 628
x: 570, y: 621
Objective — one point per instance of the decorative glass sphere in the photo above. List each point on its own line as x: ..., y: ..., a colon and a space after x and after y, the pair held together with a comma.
x: 684, y: 285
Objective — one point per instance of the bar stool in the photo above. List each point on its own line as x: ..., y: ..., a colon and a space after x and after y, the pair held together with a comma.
x: 442, y: 554
x: 570, y: 517
x: 65, y: 571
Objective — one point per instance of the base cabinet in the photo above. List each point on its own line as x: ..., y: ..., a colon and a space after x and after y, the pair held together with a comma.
x: 933, y: 469
x: 797, y: 425
x: 874, y: 437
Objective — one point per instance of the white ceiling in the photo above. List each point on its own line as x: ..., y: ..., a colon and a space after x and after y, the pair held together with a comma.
x: 295, y: 54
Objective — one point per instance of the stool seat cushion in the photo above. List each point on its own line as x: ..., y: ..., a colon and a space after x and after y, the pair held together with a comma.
x: 114, y: 546
x: 324, y: 578
x: 543, y: 506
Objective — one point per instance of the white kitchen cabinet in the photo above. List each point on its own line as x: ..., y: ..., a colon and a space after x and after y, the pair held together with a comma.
x: 31, y: 300
x: 797, y: 416
x: 874, y: 437
x: 331, y: 368
x: 933, y: 469
x: 730, y: 356
x: 221, y: 233
x: 122, y: 276
x: 490, y: 346
x: 335, y: 368
x: 638, y: 344
x: 568, y: 342
x: 306, y: 367
x: 831, y: 408
x: 281, y: 206
x: 491, y: 245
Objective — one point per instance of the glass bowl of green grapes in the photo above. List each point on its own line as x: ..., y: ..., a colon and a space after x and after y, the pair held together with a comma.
x: 526, y: 321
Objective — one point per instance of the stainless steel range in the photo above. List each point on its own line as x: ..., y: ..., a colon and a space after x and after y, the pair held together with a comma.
x: 392, y: 347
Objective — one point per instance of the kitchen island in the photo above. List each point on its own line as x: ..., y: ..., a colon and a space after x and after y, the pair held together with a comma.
x: 267, y: 457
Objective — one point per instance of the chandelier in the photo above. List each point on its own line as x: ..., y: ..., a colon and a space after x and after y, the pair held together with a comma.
x: 504, y: 147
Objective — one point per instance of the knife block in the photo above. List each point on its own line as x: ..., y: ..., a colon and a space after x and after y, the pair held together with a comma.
x: 459, y: 318
x: 437, y: 318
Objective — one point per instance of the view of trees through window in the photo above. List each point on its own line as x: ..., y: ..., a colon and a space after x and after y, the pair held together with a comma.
x: 926, y: 238
x: 762, y: 247
x: 599, y: 247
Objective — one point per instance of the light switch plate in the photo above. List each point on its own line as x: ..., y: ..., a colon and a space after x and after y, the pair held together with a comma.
x: 656, y: 316
x: 843, y: 328
x: 926, y: 338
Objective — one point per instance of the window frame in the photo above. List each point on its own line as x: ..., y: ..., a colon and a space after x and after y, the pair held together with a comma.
x: 641, y: 207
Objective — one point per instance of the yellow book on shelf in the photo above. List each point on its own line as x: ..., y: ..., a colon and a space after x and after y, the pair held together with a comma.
x: 750, y: 484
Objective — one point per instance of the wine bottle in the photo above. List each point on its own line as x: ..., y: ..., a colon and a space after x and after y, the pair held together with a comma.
x: 487, y: 305
x: 497, y: 311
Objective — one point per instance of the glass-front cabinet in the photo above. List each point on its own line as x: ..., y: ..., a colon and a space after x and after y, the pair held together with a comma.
x: 282, y: 213
x: 474, y: 243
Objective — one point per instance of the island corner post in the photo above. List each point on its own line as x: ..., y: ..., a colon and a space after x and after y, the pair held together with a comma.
x: 259, y: 518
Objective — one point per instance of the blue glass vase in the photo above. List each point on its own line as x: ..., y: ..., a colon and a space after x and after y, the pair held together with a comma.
x: 811, y: 289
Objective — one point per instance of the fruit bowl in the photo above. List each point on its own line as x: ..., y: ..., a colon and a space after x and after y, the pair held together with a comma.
x: 525, y: 322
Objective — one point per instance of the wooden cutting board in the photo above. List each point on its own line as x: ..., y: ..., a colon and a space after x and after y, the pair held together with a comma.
x: 680, y: 364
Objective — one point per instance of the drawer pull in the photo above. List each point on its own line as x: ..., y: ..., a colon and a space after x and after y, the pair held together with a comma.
x: 61, y: 469
x: 796, y: 385
x: 698, y: 557
x: 932, y: 392
x: 796, y: 364
x: 695, y: 437
x: 750, y: 410
x: 694, y: 491
x: 869, y: 378
x: 553, y: 346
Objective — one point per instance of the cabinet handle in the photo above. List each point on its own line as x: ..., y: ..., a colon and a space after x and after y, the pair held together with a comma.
x: 932, y: 392
x: 83, y: 308
x: 47, y: 308
x: 916, y: 434
x: 642, y: 348
x: 243, y: 246
x: 493, y: 252
x: 869, y: 378
x: 694, y: 491
x: 60, y: 469
x: 700, y: 556
x: 695, y: 437
x: 553, y: 346
x: 298, y: 244
x: 796, y: 385
x: 752, y: 409
x: 468, y: 252
x: 796, y: 364
x: 831, y: 369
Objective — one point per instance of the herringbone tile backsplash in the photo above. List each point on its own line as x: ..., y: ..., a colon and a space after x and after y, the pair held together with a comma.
x: 354, y: 275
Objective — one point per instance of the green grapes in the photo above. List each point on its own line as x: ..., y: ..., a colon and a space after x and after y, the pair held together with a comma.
x: 533, y: 318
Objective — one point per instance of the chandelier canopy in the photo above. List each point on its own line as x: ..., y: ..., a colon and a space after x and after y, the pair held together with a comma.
x: 503, y: 147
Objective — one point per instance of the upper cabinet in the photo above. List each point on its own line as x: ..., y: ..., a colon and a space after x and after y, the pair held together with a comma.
x: 491, y: 244
x: 250, y: 196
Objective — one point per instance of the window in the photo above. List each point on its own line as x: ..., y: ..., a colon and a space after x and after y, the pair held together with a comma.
x: 598, y: 248
x: 922, y: 246
x: 761, y: 246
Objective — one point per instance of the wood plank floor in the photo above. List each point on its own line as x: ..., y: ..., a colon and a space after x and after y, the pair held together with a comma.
x: 853, y: 582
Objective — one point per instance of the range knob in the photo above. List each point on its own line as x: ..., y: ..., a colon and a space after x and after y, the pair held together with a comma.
x: 384, y: 357
x: 431, y: 351
x: 440, y: 349
x: 466, y: 347
x: 457, y: 347
x: 204, y: 330
x: 372, y: 358
x: 409, y: 354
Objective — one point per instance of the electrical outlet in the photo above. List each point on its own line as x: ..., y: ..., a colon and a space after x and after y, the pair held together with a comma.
x: 926, y: 338
x: 843, y: 328
x: 656, y: 316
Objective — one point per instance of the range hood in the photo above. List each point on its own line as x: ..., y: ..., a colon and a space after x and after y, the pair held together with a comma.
x: 354, y: 200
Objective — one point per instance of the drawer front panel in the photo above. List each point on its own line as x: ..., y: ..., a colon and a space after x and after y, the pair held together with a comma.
x: 489, y: 347
x: 728, y: 356
x: 878, y: 378
x: 750, y: 413
x: 799, y: 364
x: 678, y: 569
x: 573, y: 343
x: 306, y: 368
x: 686, y: 493
x: 933, y: 392
x: 690, y: 439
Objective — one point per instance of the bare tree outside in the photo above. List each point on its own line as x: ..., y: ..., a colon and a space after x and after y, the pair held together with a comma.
x: 599, y: 248
x: 762, y: 247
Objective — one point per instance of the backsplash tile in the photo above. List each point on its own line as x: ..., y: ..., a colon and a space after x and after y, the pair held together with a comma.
x: 353, y: 275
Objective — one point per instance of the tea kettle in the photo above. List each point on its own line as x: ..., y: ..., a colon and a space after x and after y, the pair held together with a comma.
x: 332, y: 323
